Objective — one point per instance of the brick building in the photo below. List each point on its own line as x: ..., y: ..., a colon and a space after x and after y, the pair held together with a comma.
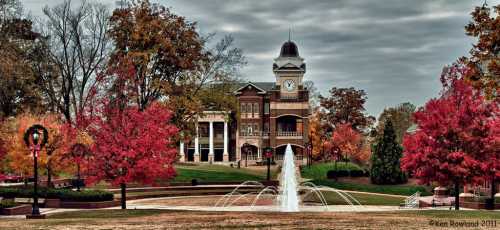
x: 271, y: 114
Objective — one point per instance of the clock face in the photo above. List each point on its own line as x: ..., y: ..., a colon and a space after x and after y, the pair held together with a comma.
x: 289, y: 85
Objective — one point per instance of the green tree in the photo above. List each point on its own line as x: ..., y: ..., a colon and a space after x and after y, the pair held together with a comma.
x: 386, y: 156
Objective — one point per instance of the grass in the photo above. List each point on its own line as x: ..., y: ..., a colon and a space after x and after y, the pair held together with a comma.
x: 110, y: 213
x: 216, y: 173
x: 319, y: 170
x: 405, y: 190
x: 365, y: 199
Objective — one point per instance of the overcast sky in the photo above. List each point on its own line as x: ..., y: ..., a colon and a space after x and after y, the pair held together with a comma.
x: 393, y: 49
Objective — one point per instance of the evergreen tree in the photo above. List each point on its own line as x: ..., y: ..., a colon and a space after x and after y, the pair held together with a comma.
x: 386, y: 155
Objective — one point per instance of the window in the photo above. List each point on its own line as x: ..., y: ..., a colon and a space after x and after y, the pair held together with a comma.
x: 243, y: 108
x: 255, y: 127
x: 243, y: 128
x: 256, y: 109
x: 249, y: 129
x: 249, y: 107
x: 266, y: 127
x: 266, y: 108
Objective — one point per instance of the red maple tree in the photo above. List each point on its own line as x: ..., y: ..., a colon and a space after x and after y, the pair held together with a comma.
x: 132, y: 143
x: 455, y: 141
x: 133, y: 146
x: 346, y: 139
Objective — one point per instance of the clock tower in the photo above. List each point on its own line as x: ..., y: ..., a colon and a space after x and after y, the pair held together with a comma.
x: 289, y: 69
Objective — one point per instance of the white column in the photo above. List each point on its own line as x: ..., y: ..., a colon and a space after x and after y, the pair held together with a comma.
x: 226, y: 142
x: 181, y: 151
x: 196, y: 145
x: 259, y: 157
x: 211, y: 142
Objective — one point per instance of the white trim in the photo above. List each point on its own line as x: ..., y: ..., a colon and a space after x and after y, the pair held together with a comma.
x: 289, y: 114
x: 290, y: 144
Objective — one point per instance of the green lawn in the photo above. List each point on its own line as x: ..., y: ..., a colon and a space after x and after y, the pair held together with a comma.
x: 365, y: 199
x: 216, y: 173
x: 319, y: 170
x: 405, y: 190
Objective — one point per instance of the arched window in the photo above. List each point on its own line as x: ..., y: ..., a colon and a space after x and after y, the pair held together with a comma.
x: 249, y: 107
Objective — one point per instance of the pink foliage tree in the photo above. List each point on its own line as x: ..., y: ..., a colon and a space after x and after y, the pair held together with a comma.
x: 133, y: 146
x: 457, y: 138
x: 131, y: 143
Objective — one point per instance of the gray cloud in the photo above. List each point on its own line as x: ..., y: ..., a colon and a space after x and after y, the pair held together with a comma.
x: 393, y: 49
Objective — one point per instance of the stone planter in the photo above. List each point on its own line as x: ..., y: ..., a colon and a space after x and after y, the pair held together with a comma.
x: 440, y: 192
x: 476, y: 205
x: 52, y: 203
x: 18, y: 210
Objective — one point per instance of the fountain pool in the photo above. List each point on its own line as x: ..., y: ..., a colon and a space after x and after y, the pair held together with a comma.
x: 291, y: 196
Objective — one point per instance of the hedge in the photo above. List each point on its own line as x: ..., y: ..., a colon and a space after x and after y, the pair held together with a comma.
x: 7, y: 204
x: 62, y: 194
x: 332, y: 174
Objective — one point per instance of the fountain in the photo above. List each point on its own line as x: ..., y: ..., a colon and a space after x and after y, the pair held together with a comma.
x: 289, y: 200
x: 286, y: 197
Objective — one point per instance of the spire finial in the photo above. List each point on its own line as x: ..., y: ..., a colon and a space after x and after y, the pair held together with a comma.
x: 289, y: 34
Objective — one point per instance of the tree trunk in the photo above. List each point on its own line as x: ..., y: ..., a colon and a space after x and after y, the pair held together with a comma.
x: 49, y: 175
x: 493, y: 190
x: 124, y: 196
x: 457, y: 195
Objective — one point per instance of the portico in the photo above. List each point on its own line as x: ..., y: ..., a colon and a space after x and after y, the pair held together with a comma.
x: 211, y: 139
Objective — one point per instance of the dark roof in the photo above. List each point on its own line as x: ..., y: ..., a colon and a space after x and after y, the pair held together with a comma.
x: 289, y: 49
x: 265, y: 86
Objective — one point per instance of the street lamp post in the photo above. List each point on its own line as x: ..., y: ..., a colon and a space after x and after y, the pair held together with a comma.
x: 309, y: 154
x: 246, y: 149
x: 35, y: 144
x: 269, y: 155
x: 79, y: 151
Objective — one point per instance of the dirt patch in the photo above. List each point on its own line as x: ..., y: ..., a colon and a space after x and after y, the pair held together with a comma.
x: 238, y: 220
